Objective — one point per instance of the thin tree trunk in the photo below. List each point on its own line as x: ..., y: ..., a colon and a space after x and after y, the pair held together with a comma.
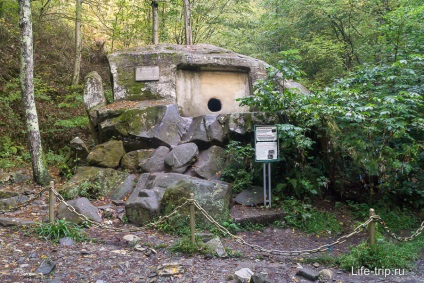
x: 187, y: 23
x: 39, y: 167
x: 78, y: 42
x: 155, y: 17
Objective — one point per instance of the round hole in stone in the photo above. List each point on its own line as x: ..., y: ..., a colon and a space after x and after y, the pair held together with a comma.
x: 214, y: 105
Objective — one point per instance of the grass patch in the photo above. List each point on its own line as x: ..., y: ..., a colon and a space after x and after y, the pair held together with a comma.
x: 59, y: 229
x: 383, y: 255
x: 185, y: 246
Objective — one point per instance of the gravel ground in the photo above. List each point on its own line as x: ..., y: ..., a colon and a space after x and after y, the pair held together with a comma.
x: 110, y: 259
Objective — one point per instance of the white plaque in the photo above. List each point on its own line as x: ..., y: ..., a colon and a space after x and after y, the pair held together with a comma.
x: 266, y: 151
x: 266, y: 133
x: 266, y: 144
x: 147, y: 73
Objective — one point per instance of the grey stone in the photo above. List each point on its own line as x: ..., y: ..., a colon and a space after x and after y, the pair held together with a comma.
x: 156, y: 162
x: 251, y: 197
x: 160, y: 192
x: 181, y: 157
x: 210, y: 163
x: 307, y: 273
x: 78, y: 153
x: 144, y: 126
x: 125, y: 188
x: 205, y: 129
x: 9, y: 222
x: 325, y: 275
x: 93, y: 91
x: 216, y: 246
x: 46, y: 267
x: 243, y: 275
x: 66, y: 242
x: 82, y: 206
x: 108, y: 154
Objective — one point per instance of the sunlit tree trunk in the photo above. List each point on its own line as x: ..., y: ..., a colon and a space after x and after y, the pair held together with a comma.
x: 78, y: 42
x: 39, y: 167
x: 187, y: 23
x: 155, y: 22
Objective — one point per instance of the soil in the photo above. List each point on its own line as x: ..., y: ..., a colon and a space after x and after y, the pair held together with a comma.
x: 111, y: 259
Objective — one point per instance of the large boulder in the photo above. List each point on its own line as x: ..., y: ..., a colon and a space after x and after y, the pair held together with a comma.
x: 146, y: 160
x: 205, y: 130
x: 181, y: 157
x: 161, y: 192
x: 92, y: 181
x: 145, y: 127
x: 108, y: 154
x: 82, y: 206
x: 93, y: 91
x: 210, y: 163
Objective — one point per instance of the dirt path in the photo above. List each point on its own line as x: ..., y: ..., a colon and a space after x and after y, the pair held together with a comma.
x: 110, y: 259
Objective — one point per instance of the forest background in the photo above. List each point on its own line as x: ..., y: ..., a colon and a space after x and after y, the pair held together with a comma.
x: 357, y: 136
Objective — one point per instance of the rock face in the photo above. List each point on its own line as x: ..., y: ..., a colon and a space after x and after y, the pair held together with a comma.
x: 93, y: 91
x: 181, y: 157
x: 161, y: 192
x: 108, y: 154
x: 210, y: 163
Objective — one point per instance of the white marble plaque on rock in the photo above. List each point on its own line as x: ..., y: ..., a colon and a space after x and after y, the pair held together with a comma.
x: 147, y: 73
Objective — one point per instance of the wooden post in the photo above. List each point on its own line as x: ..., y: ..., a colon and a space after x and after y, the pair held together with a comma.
x: 187, y: 23
x: 51, y: 203
x: 371, y: 229
x: 192, y: 219
x: 155, y: 23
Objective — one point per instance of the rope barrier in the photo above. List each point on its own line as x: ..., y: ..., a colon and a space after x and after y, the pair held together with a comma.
x: 225, y: 231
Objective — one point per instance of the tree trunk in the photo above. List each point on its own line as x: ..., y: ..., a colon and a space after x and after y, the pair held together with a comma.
x: 78, y: 42
x: 155, y: 17
x: 187, y: 23
x: 39, y: 167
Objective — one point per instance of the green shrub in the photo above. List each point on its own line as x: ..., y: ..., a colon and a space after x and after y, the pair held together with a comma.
x: 184, y: 245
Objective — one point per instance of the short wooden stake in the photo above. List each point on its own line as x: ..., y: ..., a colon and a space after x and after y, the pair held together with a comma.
x: 371, y: 229
x: 51, y: 203
x: 192, y: 219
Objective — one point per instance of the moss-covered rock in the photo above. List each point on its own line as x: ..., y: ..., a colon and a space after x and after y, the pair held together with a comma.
x: 92, y: 182
x: 108, y: 154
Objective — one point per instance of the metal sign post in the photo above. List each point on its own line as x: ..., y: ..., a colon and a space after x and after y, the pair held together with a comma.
x: 266, y: 150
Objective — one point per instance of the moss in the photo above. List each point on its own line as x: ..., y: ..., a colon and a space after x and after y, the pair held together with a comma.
x: 176, y: 196
x: 134, y: 121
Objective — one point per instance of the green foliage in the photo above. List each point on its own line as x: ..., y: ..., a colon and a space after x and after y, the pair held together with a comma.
x: 59, y: 229
x: 239, y: 169
x: 185, y: 246
x: 304, y: 217
x: 89, y: 189
x: 382, y: 255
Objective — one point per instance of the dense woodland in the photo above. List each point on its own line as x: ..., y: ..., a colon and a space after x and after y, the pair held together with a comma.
x: 357, y: 136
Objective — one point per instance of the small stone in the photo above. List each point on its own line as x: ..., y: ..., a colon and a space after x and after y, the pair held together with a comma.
x: 325, y: 275
x: 46, y: 267
x: 307, y: 273
x: 66, y: 242
x: 216, y: 246
x: 316, y: 265
x: 243, y: 275
x: 131, y: 239
x: 169, y: 269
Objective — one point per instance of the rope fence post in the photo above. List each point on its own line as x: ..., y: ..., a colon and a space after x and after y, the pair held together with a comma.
x: 371, y: 229
x: 192, y: 219
x: 51, y: 202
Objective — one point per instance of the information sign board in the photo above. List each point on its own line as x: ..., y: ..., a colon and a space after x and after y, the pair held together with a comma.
x: 266, y: 144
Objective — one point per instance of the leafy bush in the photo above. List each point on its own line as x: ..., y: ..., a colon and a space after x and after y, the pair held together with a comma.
x: 305, y: 218
x: 184, y: 245
x: 239, y: 169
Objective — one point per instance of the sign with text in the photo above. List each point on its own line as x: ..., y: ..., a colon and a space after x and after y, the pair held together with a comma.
x: 266, y: 144
x: 147, y: 73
